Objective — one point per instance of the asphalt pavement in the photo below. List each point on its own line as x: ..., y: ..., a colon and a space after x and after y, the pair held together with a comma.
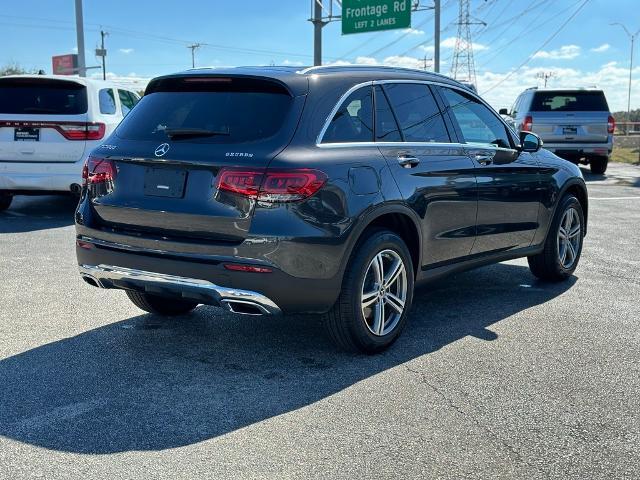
x: 497, y: 375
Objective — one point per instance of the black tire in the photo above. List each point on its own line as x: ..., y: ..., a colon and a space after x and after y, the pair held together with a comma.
x: 164, y: 306
x: 345, y: 322
x: 547, y: 264
x: 5, y: 201
x: 598, y: 165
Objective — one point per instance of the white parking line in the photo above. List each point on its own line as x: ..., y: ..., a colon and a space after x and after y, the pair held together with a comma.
x: 615, y: 198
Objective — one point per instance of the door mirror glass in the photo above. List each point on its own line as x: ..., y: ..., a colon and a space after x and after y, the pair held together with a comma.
x: 503, y: 111
x: 530, y: 142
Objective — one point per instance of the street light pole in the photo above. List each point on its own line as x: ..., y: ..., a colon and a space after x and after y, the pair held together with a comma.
x: 436, y: 37
x: 632, y: 37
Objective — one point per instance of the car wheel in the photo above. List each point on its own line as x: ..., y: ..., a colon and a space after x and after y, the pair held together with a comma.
x: 160, y: 305
x: 598, y: 165
x: 563, y: 246
x: 376, y: 295
x: 5, y: 201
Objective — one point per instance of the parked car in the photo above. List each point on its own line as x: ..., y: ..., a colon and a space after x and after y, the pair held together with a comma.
x: 48, y: 126
x: 328, y: 190
x: 575, y: 124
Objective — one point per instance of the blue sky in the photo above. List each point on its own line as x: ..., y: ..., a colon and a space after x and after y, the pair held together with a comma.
x: 149, y: 38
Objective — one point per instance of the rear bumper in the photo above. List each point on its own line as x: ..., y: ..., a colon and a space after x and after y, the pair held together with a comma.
x: 17, y: 176
x: 580, y: 148
x: 233, y: 299
x: 203, y: 278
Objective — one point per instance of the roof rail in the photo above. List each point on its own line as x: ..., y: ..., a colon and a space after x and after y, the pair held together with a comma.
x: 320, y: 68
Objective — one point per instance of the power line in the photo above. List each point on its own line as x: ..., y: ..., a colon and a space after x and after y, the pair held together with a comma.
x: 544, y: 44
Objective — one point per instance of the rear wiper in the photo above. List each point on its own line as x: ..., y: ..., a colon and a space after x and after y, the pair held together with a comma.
x: 194, y: 132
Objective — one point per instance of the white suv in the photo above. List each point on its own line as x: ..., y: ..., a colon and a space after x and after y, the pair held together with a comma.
x: 48, y: 126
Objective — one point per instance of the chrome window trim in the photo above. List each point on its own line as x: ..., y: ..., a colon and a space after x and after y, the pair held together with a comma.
x: 468, y: 146
x: 405, y: 80
x: 337, y: 106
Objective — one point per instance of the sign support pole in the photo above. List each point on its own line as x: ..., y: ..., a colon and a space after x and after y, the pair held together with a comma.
x: 82, y: 70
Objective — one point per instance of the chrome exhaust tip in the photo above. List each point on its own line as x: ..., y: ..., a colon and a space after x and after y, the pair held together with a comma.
x: 244, y: 307
x: 94, y: 282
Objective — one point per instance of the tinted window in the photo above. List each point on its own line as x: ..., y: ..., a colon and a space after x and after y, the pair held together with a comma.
x: 107, y: 101
x: 477, y: 123
x: 353, y: 122
x: 417, y: 112
x: 238, y: 116
x: 126, y: 102
x: 386, y: 126
x: 569, y: 101
x: 42, y: 96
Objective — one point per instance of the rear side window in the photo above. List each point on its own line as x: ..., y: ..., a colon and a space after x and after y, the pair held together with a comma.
x: 42, y: 96
x: 477, y: 123
x: 107, y: 101
x: 569, y: 101
x: 207, y: 110
x: 386, y: 125
x: 353, y: 122
x: 417, y: 113
x: 127, y: 101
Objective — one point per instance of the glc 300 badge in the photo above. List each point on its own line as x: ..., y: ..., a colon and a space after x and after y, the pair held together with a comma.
x: 238, y: 154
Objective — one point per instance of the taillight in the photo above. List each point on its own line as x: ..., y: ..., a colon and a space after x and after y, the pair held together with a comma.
x: 81, y: 131
x: 98, y: 170
x: 272, y: 185
x: 69, y: 130
x: 527, y: 123
x: 611, y: 124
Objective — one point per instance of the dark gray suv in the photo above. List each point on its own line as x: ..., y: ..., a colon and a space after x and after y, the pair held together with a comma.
x: 328, y: 190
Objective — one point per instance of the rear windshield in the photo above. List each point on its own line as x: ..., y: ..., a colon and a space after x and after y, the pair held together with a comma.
x: 568, y: 101
x: 42, y: 97
x: 224, y: 114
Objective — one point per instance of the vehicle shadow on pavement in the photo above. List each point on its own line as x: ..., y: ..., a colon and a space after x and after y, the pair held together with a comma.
x: 151, y: 384
x: 28, y: 214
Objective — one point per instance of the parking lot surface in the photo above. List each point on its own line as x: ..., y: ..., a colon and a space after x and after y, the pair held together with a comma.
x: 496, y: 376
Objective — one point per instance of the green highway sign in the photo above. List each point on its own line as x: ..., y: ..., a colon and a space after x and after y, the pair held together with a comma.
x: 360, y: 16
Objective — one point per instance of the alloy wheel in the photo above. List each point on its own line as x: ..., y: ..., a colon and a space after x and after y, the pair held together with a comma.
x: 569, y: 238
x: 384, y: 292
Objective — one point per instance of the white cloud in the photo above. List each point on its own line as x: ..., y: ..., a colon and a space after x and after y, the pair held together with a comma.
x: 602, y: 48
x: 126, y: 51
x: 411, y: 31
x: 566, y: 52
x: 450, y: 42
x: 295, y: 63
x: 74, y: 49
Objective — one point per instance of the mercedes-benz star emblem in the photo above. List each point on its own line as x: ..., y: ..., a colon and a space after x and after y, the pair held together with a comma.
x: 162, y: 149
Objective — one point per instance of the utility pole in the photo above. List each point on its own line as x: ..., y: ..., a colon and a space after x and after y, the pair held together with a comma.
x: 102, y: 52
x: 546, y: 76
x: 436, y: 37
x: 632, y: 37
x: 82, y: 70
x: 193, y: 48
x: 318, y: 24
x: 463, y: 66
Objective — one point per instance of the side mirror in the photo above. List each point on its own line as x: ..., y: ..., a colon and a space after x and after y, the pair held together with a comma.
x: 530, y: 142
x: 503, y: 111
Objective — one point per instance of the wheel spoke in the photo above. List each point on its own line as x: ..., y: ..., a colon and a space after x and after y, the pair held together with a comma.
x: 568, y: 219
x: 378, y: 269
x: 394, y: 302
x: 369, y: 298
x: 562, y: 233
x: 572, y: 250
x: 574, y: 231
x: 378, y: 318
x: 396, y: 271
x: 563, y: 252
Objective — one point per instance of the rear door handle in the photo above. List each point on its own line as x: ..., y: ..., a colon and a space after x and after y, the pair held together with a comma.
x: 407, y: 161
x: 484, y: 158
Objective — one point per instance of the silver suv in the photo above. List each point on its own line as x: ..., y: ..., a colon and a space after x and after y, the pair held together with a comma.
x: 575, y: 124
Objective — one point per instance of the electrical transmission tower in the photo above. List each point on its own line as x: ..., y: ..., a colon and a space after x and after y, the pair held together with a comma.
x: 463, y: 66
